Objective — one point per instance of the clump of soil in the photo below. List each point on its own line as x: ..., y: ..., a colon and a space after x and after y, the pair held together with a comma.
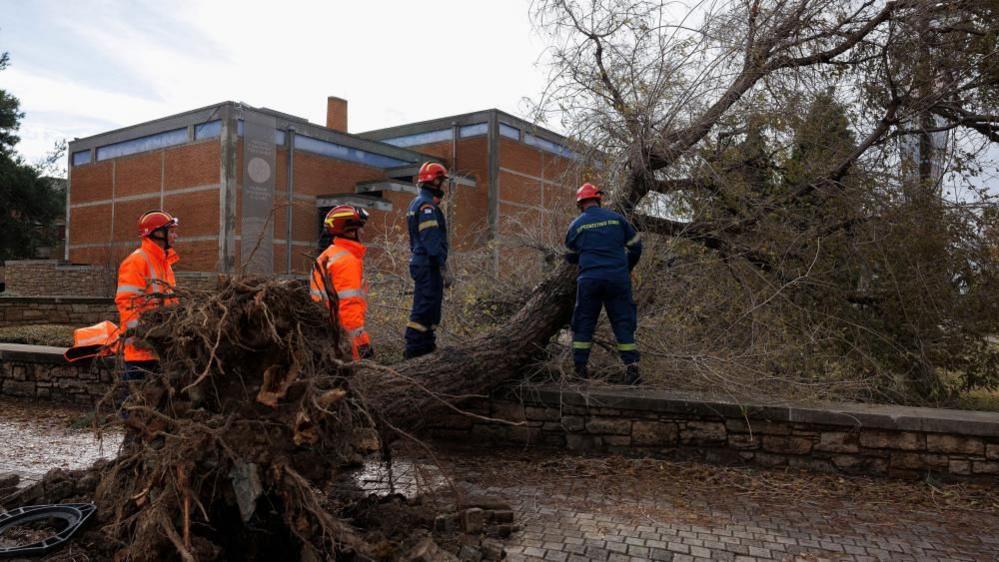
x: 31, y: 532
x: 232, y: 450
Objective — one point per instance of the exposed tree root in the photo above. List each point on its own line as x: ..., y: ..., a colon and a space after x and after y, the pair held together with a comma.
x: 233, y: 450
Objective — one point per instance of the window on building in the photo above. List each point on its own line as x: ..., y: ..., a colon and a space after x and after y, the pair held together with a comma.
x: 421, y: 138
x: 81, y: 157
x: 509, y: 132
x: 549, y: 146
x: 341, y: 152
x: 143, y: 144
x: 473, y: 130
x: 208, y: 130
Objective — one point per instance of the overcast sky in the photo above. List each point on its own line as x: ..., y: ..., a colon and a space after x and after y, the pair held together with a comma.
x: 81, y: 68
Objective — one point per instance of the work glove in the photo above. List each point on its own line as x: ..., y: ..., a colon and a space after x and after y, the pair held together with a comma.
x: 447, y: 277
x: 365, y: 351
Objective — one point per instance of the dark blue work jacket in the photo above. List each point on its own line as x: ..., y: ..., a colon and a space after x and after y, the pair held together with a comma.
x: 427, y: 231
x: 603, y: 244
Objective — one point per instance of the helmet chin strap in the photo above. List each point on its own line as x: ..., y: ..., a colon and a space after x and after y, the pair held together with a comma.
x: 165, y: 237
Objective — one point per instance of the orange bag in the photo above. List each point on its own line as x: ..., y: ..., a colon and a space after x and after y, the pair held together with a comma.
x: 93, y: 341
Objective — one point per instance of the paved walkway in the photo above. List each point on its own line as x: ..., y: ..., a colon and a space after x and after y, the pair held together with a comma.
x: 572, y: 509
x: 619, y: 510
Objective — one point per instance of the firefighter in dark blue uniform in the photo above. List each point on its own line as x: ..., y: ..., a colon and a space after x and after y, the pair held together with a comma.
x: 607, y: 248
x: 428, y: 263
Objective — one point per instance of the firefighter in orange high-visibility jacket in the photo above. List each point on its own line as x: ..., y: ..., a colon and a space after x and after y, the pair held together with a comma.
x: 145, y: 282
x: 342, y: 265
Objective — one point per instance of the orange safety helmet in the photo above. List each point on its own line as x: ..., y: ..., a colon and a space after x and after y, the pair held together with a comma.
x: 344, y: 218
x: 151, y: 221
x: 588, y: 191
x: 430, y: 171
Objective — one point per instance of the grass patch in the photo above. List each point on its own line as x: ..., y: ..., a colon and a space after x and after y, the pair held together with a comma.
x: 984, y: 400
x: 41, y: 334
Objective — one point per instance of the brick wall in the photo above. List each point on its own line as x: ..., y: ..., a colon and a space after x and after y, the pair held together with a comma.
x: 106, y: 199
x: 858, y: 438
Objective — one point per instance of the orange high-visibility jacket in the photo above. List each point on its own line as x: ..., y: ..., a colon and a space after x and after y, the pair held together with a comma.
x: 145, y: 272
x: 343, y: 264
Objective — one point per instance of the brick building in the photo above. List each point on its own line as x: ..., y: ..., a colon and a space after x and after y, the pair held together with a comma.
x: 228, y: 172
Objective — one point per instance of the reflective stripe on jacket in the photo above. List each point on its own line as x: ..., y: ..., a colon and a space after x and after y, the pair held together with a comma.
x: 143, y: 277
x: 343, y: 264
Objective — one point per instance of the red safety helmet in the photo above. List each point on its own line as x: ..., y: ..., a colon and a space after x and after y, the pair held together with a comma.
x: 151, y: 221
x: 588, y: 191
x: 344, y: 218
x: 430, y: 171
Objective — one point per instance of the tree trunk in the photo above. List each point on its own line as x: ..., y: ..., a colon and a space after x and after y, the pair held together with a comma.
x: 476, y: 366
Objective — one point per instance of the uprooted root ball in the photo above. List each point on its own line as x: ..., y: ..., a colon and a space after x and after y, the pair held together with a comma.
x: 233, y: 448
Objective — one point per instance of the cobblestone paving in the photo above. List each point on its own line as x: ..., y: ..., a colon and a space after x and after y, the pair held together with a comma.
x: 640, y: 516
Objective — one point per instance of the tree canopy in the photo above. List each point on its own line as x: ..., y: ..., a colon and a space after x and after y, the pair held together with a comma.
x: 29, y: 202
x: 781, y: 133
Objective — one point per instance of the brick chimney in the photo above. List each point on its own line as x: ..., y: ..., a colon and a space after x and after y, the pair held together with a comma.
x: 336, y: 114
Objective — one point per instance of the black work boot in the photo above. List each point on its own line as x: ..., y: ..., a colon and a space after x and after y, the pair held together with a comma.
x: 582, y: 373
x: 632, y: 376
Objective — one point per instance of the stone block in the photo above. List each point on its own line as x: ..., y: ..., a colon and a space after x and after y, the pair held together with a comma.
x: 695, y: 432
x: 812, y: 464
x: 904, y: 440
x: 611, y: 426
x: 581, y: 442
x: 787, y: 445
x: 744, y: 441
x: 860, y: 465
x: 510, y: 411
x: 953, y: 444
x: 492, y: 550
x: 652, y: 433
x: 573, y: 423
x: 767, y: 459
x: 542, y: 414
x: 24, y: 389
x: 524, y: 434
x: 992, y: 451
x: 838, y: 442
x: 907, y: 461
x: 473, y: 520
x: 20, y: 373
x: 722, y: 456
x: 617, y: 440
x: 983, y: 467
x: 959, y: 467
x: 742, y: 425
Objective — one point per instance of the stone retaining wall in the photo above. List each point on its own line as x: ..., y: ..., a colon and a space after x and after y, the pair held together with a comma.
x: 46, y: 278
x: 849, y: 438
x: 74, y: 311
x: 31, y: 278
x: 40, y: 373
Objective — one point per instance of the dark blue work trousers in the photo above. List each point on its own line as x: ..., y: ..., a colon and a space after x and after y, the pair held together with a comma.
x: 135, y: 371
x: 615, y: 296
x: 428, y: 295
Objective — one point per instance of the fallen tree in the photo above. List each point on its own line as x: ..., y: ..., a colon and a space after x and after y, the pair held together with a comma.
x: 239, y: 449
